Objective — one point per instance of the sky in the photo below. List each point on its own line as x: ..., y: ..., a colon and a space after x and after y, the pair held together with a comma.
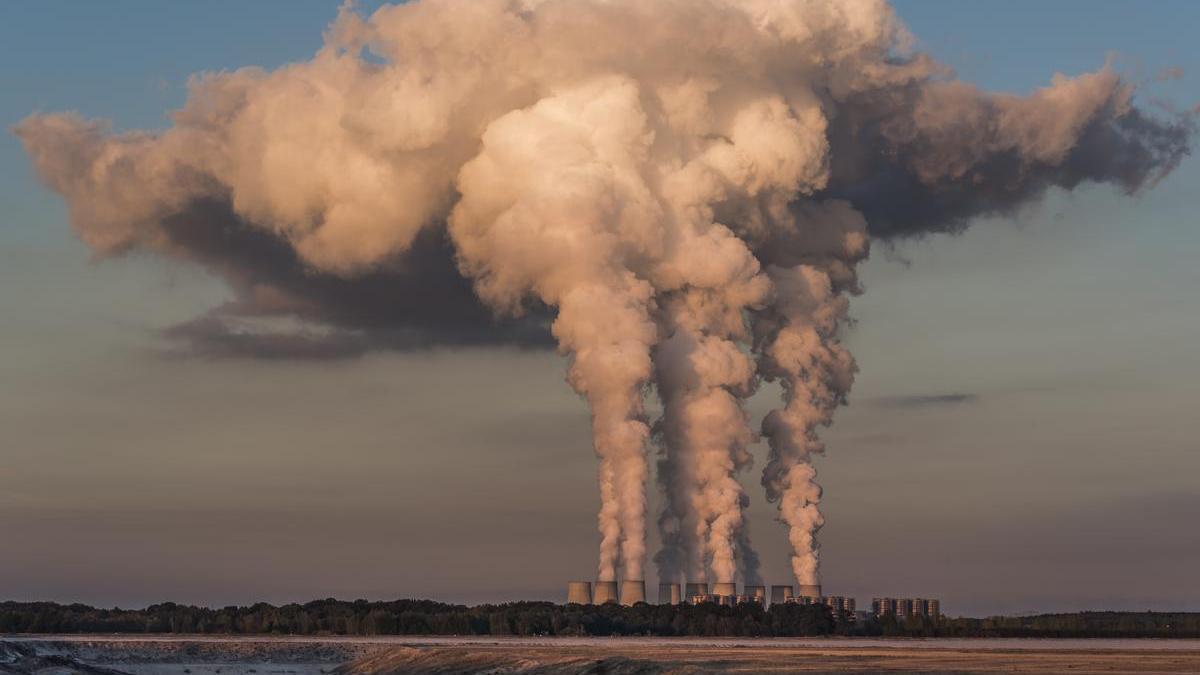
x: 1021, y: 436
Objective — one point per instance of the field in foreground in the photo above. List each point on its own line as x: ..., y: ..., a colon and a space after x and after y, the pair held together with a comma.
x: 204, y: 655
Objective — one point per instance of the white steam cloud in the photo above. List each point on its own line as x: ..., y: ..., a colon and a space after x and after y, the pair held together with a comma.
x: 685, y: 187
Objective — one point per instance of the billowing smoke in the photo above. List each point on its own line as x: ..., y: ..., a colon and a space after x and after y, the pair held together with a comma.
x: 677, y: 193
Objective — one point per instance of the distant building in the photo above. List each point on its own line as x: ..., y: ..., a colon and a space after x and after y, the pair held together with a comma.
x: 758, y: 593
x: 882, y: 606
x: 903, y: 608
x: 780, y: 593
x: 840, y: 603
x: 726, y: 594
x: 837, y: 603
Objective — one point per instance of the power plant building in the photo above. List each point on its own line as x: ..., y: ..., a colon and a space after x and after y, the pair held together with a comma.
x: 633, y: 592
x: 725, y: 590
x: 903, y: 608
x: 809, y: 591
x: 840, y: 603
x: 669, y: 594
x: 579, y: 592
x: 780, y: 593
x: 605, y: 591
x: 837, y: 603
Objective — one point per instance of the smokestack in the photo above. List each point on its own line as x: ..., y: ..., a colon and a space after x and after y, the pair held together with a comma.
x: 757, y: 594
x: 725, y: 589
x: 668, y: 594
x: 633, y: 592
x: 780, y: 593
x: 810, y: 590
x: 579, y: 592
x: 695, y: 588
x: 606, y: 591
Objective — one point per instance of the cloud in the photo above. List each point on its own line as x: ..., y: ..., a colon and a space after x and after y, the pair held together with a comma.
x: 931, y: 157
x: 418, y: 301
x: 910, y: 401
x: 212, y: 336
x: 323, y: 189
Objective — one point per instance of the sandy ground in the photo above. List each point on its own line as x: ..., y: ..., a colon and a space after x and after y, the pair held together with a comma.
x: 209, y: 655
x: 848, y: 659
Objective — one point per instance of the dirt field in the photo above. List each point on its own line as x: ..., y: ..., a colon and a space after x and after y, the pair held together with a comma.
x: 204, y: 655
x: 848, y: 659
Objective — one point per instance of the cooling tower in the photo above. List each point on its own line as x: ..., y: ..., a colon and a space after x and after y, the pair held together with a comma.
x: 725, y: 589
x: 780, y: 593
x: 633, y: 592
x: 757, y: 594
x: 579, y: 592
x: 668, y: 594
x: 810, y: 591
x: 606, y: 591
x: 695, y: 588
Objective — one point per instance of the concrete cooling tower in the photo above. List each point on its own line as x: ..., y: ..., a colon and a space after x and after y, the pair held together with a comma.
x: 695, y: 588
x: 758, y: 593
x: 669, y: 594
x: 606, y: 591
x: 810, y: 591
x: 780, y: 593
x: 579, y: 592
x: 633, y: 592
x: 725, y: 589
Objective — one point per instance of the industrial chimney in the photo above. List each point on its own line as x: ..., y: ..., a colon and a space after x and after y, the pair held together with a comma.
x: 725, y: 590
x: 780, y: 593
x: 668, y: 594
x: 810, y: 590
x: 633, y: 592
x: 579, y: 592
x: 606, y: 591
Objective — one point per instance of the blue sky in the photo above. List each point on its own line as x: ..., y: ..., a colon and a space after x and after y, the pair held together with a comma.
x: 1062, y: 478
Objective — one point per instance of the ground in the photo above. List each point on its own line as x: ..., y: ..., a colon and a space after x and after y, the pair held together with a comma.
x: 208, y: 655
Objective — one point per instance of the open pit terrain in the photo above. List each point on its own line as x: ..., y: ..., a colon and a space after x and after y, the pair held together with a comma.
x: 207, y: 655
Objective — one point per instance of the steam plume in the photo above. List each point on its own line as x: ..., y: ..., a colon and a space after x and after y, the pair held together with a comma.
x: 677, y: 192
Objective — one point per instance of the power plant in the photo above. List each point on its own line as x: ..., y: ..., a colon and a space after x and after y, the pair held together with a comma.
x: 633, y: 591
x: 606, y: 591
x: 579, y: 592
x: 906, y: 607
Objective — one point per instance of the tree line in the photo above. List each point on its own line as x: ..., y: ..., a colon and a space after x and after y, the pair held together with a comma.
x: 421, y: 617
x: 426, y: 617
x: 1063, y: 625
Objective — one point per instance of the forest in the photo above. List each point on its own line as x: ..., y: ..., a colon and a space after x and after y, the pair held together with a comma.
x: 426, y: 617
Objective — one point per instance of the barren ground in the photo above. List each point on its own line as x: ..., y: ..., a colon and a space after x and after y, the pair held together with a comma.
x: 205, y: 655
